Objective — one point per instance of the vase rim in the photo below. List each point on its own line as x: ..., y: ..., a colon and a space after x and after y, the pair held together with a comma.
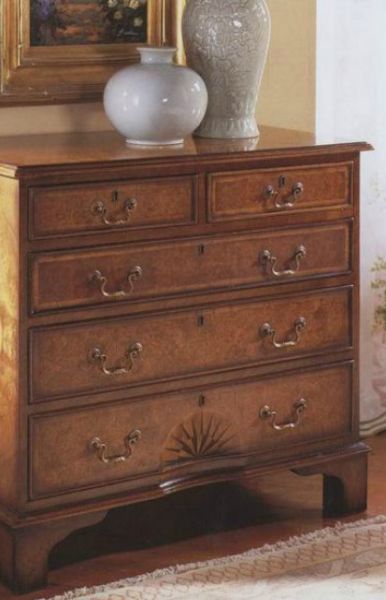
x: 157, y: 48
x: 157, y: 54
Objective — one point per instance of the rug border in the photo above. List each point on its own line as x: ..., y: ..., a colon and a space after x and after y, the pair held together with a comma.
x: 255, y: 552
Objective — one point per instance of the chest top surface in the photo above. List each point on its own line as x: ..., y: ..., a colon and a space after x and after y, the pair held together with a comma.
x: 21, y: 153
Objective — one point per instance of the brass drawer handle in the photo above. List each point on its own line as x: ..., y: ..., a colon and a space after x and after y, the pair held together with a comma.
x: 269, y: 260
x: 287, y: 202
x: 99, y: 209
x: 132, y: 353
x: 100, y: 448
x: 298, y: 408
x: 134, y: 274
x: 267, y: 330
x: 290, y: 201
x: 270, y: 192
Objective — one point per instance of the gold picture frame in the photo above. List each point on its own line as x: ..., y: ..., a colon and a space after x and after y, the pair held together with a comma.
x: 31, y: 74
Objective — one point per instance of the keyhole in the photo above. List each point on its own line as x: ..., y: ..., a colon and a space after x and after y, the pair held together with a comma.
x: 201, y: 400
x: 201, y: 250
x: 200, y: 320
x: 115, y: 196
x: 281, y: 181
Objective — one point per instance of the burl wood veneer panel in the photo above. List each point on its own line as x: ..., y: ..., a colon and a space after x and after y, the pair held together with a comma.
x: 185, y: 428
x: 71, y: 279
x: 90, y: 207
x: 237, y: 195
x: 180, y: 343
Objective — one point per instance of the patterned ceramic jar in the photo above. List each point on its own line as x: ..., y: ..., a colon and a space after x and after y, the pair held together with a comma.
x: 226, y: 42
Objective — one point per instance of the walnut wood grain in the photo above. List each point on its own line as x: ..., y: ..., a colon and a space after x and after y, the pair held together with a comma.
x: 106, y: 148
x: 9, y: 339
x: 184, y: 428
x: 344, y: 484
x: 25, y: 550
x: 244, y: 194
x: 211, y: 334
x: 71, y: 209
x: 185, y: 343
x: 204, y: 264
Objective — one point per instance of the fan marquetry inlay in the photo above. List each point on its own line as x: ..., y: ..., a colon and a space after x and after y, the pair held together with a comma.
x: 203, y: 433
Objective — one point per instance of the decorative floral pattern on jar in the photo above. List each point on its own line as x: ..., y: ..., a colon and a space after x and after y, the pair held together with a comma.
x: 226, y: 42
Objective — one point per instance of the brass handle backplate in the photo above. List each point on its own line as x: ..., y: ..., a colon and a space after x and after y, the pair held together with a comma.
x: 270, y: 192
x: 284, y: 202
x: 269, y: 261
x: 298, y: 409
x: 267, y: 330
x: 100, y: 448
x: 100, y: 209
x: 134, y: 274
x: 132, y: 353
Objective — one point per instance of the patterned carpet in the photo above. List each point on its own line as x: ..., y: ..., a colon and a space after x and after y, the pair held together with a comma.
x: 347, y: 562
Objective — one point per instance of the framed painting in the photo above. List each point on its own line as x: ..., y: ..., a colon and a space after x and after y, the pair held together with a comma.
x: 65, y: 50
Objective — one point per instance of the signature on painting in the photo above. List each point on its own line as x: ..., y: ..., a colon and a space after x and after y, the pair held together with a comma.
x: 72, y: 22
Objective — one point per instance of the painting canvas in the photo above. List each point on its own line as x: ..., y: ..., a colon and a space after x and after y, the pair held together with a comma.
x: 75, y: 22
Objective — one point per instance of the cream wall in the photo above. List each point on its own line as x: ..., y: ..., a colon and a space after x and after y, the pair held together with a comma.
x: 352, y: 49
x: 287, y: 97
x: 288, y: 94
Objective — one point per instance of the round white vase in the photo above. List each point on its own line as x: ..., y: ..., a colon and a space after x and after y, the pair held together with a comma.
x: 227, y: 42
x: 156, y: 102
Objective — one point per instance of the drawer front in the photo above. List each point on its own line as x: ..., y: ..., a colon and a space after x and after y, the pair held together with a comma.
x: 243, y: 195
x: 96, y: 446
x: 152, y: 270
x: 86, y: 208
x: 117, y: 353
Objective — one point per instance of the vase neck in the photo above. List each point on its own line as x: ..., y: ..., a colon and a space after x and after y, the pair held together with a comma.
x: 157, y: 56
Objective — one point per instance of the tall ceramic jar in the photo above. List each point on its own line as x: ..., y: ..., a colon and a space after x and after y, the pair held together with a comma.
x: 226, y: 42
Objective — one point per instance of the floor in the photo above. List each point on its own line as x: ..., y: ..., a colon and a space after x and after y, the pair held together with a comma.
x: 207, y: 523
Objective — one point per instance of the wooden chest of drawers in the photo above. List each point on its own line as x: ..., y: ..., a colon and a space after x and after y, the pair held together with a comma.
x: 170, y: 318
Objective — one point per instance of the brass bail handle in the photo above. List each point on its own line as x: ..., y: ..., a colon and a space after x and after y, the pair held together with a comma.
x: 100, y: 448
x: 266, y: 413
x: 268, y: 331
x: 100, y: 209
x: 102, y: 281
x: 269, y: 261
x: 271, y: 193
x: 127, y: 364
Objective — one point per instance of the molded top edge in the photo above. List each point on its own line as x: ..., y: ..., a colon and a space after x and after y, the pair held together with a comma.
x: 65, y: 150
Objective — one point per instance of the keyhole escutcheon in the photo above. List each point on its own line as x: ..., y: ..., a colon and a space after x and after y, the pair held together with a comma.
x: 201, y: 400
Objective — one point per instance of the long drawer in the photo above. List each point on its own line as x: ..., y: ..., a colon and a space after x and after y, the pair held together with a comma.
x: 88, y: 447
x: 117, y: 353
x: 247, y: 194
x: 90, y: 207
x: 71, y: 279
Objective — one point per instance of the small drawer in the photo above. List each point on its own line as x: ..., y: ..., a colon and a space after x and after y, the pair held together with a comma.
x: 73, y: 279
x: 248, y: 194
x: 121, y: 352
x: 90, y: 447
x: 87, y: 208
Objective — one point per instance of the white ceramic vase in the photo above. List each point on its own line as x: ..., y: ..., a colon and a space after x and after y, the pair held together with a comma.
x: 155, y: 102
x: 226, y: 42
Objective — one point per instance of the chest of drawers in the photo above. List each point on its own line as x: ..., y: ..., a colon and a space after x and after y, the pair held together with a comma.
x: 171, y: 318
